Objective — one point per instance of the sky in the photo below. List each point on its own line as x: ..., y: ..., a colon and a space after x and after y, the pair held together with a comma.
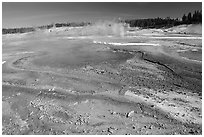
x: 25, y: 14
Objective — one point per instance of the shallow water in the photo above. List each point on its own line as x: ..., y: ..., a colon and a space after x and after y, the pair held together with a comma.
x: 192, y: 55
x: 78, y: 53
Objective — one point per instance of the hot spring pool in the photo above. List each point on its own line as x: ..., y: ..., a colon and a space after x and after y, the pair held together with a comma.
x: 78, y: 53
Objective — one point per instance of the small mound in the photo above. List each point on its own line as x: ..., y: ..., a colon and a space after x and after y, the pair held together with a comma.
x: 190, y: 29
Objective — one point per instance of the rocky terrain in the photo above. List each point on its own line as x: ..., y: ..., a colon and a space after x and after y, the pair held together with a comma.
x: 74, y: 81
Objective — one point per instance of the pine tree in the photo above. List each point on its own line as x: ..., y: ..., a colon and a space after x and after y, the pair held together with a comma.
x: 184, y: 18
x: 189, y: 18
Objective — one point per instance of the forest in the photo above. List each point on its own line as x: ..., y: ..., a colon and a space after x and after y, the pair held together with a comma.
x: 196, y: 18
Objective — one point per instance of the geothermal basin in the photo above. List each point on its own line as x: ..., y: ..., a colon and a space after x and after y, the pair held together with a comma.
x: 73, y: 81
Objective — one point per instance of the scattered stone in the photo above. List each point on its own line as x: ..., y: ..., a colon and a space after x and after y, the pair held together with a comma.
x: 89, y: 67
x: 53, y: 88
x: 152, y: 106
x: 110, y: 130
x: 130, y: 114
x: 36, y: 79
x: 86, y: 101
x: 113, y: 113
x: 150, y: 127
x: 18, y: 94
x: 191, y: 132
x: 31, y: 113
x: 41, y: 108
x: 103, y: 131
x: 41, y: 117
x: 76, y: 103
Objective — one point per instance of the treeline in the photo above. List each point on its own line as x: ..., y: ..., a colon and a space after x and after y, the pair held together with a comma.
x: 17, y: 30
x: 72, y: 24
x: 30, y: 29
x: 154, y: 23
x: 57, y: 25
x: 166, y: 22
x: 192, y: 19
